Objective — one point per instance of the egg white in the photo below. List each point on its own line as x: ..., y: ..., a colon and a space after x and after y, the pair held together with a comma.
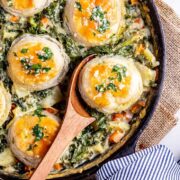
x: 115, y: 15
x: 38, y: 6
x: 60, y: 59
x: 24, y: 156
x: 115, y: 104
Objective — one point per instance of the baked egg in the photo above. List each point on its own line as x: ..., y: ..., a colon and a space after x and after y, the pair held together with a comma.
x: 30, y: 136
x: 37, y: 62
x: 24, y: 7
x: 93, y: 22
x: 110, y: 84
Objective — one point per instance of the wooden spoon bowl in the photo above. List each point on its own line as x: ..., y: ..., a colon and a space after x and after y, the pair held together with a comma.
x: 75, y: 120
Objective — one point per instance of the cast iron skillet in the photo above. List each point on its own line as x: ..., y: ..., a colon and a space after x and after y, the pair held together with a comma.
x: 130, y: 145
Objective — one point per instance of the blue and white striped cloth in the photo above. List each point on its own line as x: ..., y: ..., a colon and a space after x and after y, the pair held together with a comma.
x: 155, y: 163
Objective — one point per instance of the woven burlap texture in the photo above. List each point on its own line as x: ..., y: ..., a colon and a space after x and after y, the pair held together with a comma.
x: 163, y: 119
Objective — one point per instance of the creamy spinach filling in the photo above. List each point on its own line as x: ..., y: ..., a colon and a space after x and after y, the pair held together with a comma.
x: 126, y: 44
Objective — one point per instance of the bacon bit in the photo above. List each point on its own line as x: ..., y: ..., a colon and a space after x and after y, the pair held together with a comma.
x: 13, y: 106
x: 142, y: 146
x: 137, y: 20
x: 142, y: 103
x: 58, y: 166
x: 29, y: 174
x: 140, y: 49
x: 28, y: 168
x: 118, y: 116
x: 157, y: 74
x: 128, y: 116
x: 136, y: 108
x: 134, y: 2
x: 14, y: 19
x: 115, y: 137
x: 52, y: 110
x: 29, y: 171
x: 44, y: 20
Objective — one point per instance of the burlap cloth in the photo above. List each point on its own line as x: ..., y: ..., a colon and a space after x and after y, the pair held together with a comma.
x: 163, y: 119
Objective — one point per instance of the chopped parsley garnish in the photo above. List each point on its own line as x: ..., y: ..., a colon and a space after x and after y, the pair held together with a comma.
x: 33, y: 69
x: 101, y: 88
x: 45, y: 54
x: 111, y: 86
x: 104, y: 26
x: 98, y: 15
x: 121, y: 72
x: 78, y: 6
x: 24, y: 51
x: 38, y: 132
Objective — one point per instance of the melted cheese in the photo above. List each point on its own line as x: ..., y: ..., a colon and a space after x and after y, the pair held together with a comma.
x: 23, y: 4
x: 93, y: 22
x: 24, y: 7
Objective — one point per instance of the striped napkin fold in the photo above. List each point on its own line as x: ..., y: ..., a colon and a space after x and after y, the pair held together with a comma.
x: 155, y: 163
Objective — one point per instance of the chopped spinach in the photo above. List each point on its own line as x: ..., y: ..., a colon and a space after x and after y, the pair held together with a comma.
x: 39, y: 112
x: 3, y: 141
x: 20, y: 168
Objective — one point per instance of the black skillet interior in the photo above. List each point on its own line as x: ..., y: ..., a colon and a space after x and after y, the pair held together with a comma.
x: 129, y: 148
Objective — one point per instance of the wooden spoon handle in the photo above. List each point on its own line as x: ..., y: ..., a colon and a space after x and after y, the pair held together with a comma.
x: 73, y: 125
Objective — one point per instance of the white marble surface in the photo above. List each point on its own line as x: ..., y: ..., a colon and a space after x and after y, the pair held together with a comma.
x: 171, y: 140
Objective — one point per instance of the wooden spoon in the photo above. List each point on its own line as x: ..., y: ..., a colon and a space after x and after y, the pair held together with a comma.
x: 75, y: 120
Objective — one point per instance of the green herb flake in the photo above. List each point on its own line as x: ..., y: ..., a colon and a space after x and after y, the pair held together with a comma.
x: 98, y: 15
x: 38, y: 132
x: 101, y: 88
x: 33, y: 69
x: 24, y: 50
x: 120, y: 71
x: 45, y: 54
x: 78, y: 6
x: 46, y: 69
x: 112, y: 86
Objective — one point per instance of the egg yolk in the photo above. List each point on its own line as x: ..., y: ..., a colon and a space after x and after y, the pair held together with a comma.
x: 23, y: 4
x: 105, y: 80
x: 34, y: 63
x: 93, y: 18
x: 34, y: 136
